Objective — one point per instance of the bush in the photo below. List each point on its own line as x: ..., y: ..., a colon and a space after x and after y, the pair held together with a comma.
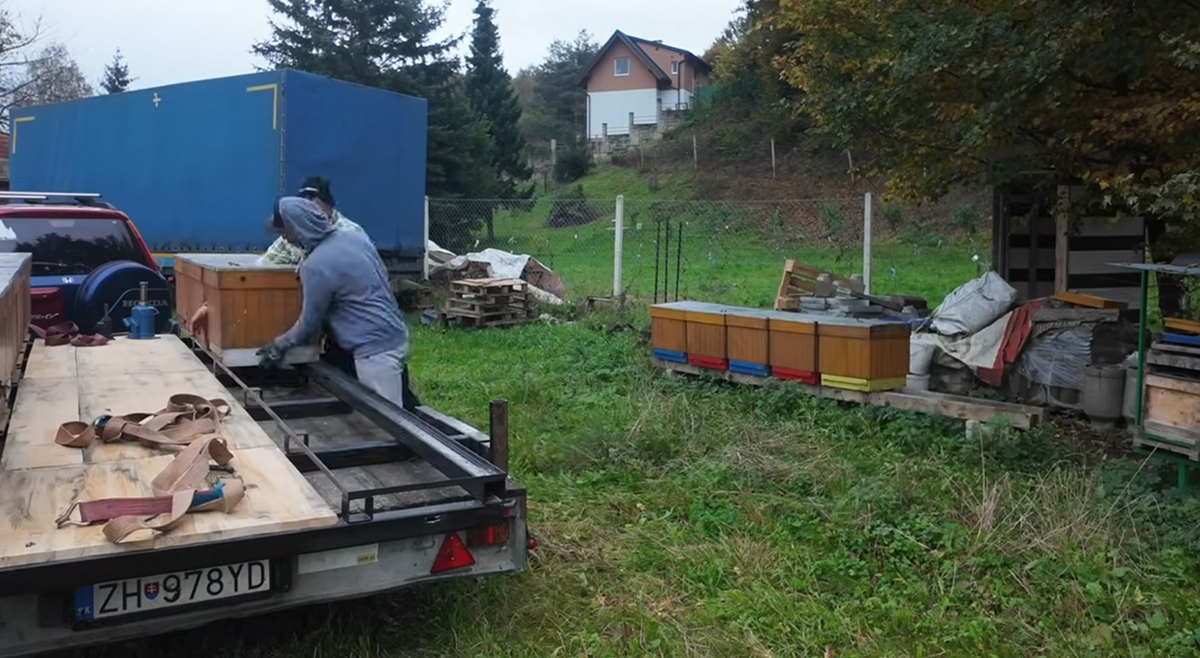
x: 573, y: 164
x: 893, y: 215
x: 833, y: 217
x: 967, y: 219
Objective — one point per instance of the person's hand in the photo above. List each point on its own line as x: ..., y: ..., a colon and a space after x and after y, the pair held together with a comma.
x: 269, y: 356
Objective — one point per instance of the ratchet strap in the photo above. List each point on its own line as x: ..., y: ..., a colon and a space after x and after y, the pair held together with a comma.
x: 67, y: 333
x: 185, y: 418
x: 189, y: 422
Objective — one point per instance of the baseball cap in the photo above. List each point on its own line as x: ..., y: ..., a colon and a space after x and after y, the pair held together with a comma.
x: 316, y: 187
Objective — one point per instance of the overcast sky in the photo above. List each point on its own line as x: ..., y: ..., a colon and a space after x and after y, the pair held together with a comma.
x: 167, y: 41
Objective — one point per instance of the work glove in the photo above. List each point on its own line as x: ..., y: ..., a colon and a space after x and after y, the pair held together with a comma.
x: 269, y: 356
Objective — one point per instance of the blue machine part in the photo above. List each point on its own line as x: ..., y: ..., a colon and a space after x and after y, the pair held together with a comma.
x: 197, y: 165
x: 141, y: 321
x: 118, y: 285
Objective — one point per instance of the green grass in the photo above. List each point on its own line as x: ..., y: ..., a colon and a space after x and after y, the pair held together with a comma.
x: 731, y: 252
x: 686, y: 518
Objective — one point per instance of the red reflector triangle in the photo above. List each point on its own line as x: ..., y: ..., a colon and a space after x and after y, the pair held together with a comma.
x: 452, y: 555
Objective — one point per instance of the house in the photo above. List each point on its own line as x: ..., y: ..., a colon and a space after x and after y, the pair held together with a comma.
x: 646, y: 79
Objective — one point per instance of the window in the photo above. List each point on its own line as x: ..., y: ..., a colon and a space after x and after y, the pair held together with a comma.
x: 621, y: 66
x: 68, y: 246
x: 675, y: 67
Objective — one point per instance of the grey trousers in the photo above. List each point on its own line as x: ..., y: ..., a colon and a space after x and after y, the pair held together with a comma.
x: 384, y: 374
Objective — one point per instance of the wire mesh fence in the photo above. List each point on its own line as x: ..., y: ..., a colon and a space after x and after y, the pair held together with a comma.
x: 721, y: 251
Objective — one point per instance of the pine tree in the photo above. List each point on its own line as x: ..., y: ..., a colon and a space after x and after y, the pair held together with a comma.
x: 389, y: 44
x: 116, y: 75
x: 490, y: 89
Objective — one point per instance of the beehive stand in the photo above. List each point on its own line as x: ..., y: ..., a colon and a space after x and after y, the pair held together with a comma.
x: 40, y: 479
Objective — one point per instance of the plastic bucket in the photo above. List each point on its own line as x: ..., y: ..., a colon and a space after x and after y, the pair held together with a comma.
x: 917, y: 383
x: 920, y: 357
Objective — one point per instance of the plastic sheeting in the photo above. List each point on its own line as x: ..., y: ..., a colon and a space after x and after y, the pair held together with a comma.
x: 974, y: 305
x: 1057, y: 358
x: 546, y: 285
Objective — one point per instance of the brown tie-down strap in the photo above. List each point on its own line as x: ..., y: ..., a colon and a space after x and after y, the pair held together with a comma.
x: 67, y: 333
x: 177, y: 492
x: 185, y: 418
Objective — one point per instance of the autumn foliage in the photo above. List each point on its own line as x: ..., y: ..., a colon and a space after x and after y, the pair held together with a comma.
x: 944, y: 91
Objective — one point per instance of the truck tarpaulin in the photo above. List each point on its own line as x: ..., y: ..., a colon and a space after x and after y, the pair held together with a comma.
x: 197, y: 165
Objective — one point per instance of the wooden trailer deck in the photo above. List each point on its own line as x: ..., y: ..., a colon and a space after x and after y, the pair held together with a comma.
x: 40, y: 479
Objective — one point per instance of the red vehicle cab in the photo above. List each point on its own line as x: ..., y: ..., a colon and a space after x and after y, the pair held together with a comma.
x: 88, y: 259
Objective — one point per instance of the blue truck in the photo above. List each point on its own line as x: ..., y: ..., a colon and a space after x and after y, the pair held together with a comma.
x: 197, y: 165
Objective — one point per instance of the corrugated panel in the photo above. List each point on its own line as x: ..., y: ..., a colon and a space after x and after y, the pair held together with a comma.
x: 195, y: 165
x: 371, y: 145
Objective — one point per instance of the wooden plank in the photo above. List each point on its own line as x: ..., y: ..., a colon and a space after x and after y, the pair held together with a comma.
x: 1089, y: 301
x: 1171, y: 360
x: 1129, y: 296
x: 1019, y: 416
x: 1062, y: 239
x: 51, y: 362
x: 277, y: 500
x: 1182, y: 325
x: 1159, y: 346
x: 40, y: 479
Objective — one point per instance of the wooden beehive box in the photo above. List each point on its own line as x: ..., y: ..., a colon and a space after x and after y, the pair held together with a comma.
x: 1171, y: 415
x: 668, y: 331
x: 248, y: 305
x: 707, y: 345
x: 748, y: 340
x: 793, y: 347
x: 863, y: 355
x: 14, y: 316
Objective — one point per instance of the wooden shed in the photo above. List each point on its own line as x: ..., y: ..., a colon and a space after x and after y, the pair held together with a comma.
x: 1049, y: 238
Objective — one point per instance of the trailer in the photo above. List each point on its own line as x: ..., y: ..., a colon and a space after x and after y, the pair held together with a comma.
x: 346, y: 495
x: 197, y: 165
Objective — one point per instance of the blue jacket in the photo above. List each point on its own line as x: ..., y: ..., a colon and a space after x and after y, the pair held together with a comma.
x: 344, y: 280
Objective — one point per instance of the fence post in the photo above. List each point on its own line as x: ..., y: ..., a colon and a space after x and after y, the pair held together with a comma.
x: 772, y: 157
x: 618, y: 245
x: 867, y: 243
x: 425, y: 247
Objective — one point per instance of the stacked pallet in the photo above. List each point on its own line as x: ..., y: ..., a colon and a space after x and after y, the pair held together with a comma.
x: 14, y: 317
x: 844, y: 353
x: 488, y: 303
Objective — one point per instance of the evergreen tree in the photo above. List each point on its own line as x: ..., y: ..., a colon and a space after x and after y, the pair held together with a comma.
x: 116, y: 75
x: 389, y: 44
x: 490, y: 89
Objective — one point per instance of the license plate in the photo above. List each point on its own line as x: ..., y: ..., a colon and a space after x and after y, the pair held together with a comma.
x: 151, y: 593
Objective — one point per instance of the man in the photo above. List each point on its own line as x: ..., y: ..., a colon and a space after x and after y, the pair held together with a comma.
x: 345, y: 283
x: 317, y: 190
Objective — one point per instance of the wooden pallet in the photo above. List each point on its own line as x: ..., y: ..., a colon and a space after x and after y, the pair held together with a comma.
x: 1019, y: 416
x: 487, y: 303
x: 800, y: 280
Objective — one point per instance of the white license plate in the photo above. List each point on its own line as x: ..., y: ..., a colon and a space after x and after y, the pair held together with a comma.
x: 150, y: 593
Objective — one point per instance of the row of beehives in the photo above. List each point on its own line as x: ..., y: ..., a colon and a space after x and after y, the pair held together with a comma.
x: 861, y: 355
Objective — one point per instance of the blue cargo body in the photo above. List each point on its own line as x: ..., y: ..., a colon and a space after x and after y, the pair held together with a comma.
x: 198, y: 165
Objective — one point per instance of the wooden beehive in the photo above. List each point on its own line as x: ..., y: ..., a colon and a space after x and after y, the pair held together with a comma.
x: 706, y: 339
x: 863, y: 355
x: 1171, y: 415
x: 14, y: 315
x: 248, y: 305
x: 668, y: 331
x: 748, y: 341
x: 793, y: 347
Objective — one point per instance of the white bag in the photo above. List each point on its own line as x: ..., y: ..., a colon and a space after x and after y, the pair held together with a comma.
x: 974, y: 305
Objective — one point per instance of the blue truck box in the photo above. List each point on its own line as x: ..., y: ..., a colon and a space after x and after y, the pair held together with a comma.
x: 197, y: 165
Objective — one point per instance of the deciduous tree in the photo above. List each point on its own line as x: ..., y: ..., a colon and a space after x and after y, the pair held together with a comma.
x: 942, y: 92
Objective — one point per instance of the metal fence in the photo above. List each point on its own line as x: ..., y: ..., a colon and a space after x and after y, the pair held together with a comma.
x: 722, y: 251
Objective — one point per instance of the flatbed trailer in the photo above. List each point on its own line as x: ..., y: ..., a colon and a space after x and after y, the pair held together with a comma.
x: 393, y: 499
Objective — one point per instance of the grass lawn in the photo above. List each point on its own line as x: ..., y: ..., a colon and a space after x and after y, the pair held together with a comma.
x: 679, y: 517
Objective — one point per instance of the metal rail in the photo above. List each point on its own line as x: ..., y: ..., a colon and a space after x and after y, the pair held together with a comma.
x: 474, y: 473
x: 462, y: 467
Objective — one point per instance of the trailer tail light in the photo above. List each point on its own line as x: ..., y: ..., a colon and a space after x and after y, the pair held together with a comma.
x: 452, y: 555
x: 488, y: 535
